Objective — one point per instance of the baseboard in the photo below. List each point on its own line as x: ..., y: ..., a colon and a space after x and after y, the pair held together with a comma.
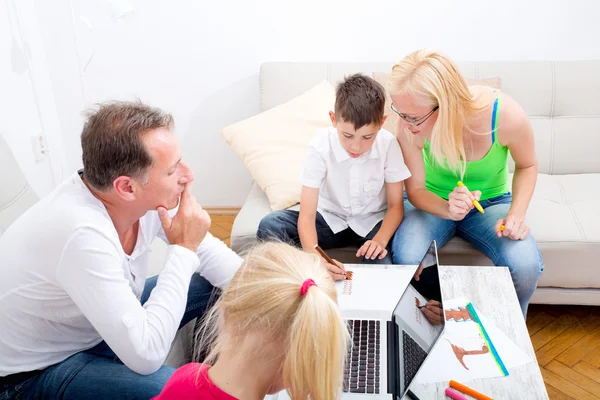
x: 570, y: 296
x: 222, y: 210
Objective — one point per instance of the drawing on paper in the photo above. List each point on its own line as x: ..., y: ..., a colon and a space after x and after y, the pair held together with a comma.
x: 460, y: 352
x: 478, y: 345
x: 468, y: 349
x: 459, y: 314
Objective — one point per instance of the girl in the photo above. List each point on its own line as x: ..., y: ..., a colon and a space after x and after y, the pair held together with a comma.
x: 277, y: 326
x: 450, y: 132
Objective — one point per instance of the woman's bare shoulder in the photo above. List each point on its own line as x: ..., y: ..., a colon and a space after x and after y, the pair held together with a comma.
x: 513, y: 119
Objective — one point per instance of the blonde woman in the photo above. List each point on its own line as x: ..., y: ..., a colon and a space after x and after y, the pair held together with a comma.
x: 450, y: 132
x: 277, y: 326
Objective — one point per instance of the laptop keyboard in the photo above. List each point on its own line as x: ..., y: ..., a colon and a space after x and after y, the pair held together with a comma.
x: 414, y: 356
x: 362, y: 371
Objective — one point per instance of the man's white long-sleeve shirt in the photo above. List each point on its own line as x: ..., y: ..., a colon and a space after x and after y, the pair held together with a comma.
x: 66, y: 284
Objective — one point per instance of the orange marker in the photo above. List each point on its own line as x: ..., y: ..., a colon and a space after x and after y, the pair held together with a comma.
x: 469, y: 391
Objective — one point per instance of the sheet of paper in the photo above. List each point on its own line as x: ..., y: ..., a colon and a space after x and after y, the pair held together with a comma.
x: 461, y: 353
x: 373, y: 287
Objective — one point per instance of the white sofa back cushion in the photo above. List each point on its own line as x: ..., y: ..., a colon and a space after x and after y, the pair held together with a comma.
x: 562, y: 100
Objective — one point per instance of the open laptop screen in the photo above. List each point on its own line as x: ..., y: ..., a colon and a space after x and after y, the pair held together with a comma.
x: 418, y: 320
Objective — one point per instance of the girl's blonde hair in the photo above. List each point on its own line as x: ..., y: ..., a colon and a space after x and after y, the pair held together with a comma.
x: 265, y: 297
x: 431, y: 78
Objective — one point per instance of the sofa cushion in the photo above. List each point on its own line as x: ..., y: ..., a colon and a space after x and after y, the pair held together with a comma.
x: 563, y: 217
x: 272, y: 145
x: 245, y: 225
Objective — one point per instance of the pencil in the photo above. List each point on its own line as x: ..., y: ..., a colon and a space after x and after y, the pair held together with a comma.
x: 347, y: 274
x: 324, y: 255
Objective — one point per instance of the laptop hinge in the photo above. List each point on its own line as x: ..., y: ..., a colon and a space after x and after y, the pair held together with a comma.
x: 392, y: 358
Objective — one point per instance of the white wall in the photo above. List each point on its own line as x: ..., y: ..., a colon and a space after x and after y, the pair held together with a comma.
x: 26, y: 96
x: 200, y: 59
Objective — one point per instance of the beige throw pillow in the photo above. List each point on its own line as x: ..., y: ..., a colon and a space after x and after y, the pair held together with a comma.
x: 272, y: 144
x: 392, y: 119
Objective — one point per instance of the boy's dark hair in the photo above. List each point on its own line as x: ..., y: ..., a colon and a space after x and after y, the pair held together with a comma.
x: 360, y: 100
x: 112, y: 141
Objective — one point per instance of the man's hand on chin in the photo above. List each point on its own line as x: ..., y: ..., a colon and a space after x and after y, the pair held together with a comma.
x: 189, y: 225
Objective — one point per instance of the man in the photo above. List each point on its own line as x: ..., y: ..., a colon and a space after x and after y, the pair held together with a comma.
x: 78, y: 317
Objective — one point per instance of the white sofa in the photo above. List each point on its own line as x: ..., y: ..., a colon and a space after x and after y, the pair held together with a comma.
x: 562, y: 100
x: 16, y: 196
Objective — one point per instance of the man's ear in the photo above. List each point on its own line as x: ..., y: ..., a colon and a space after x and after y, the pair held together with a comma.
x: 123, y: 186
x: 333, y: 120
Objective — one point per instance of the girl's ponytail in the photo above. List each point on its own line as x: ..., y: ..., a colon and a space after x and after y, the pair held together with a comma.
x: 317, y: 347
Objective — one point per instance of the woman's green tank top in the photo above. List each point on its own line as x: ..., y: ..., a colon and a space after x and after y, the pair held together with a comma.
x: 489, y: 175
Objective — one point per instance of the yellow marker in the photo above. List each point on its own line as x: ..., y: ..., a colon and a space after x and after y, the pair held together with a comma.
x: 475, y: 202
x: 501, y: 228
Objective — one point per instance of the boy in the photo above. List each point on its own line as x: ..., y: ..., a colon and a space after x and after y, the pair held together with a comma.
x: 353, y: 172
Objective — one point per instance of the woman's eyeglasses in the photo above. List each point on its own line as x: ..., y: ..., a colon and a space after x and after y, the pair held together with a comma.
x: 415, y: 121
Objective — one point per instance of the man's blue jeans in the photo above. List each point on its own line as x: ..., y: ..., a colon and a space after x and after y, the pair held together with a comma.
x: 98, y: 374
x: 522, y: 257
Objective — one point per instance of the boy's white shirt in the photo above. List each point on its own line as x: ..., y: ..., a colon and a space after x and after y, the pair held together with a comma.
x: 352, y: 190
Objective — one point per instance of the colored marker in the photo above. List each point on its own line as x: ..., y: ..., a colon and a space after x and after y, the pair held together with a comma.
x: 469, y: 391
x: 454, y: 395
x: 475, y: 202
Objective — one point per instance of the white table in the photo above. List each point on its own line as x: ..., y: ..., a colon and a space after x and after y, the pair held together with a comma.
x: 492, y: 290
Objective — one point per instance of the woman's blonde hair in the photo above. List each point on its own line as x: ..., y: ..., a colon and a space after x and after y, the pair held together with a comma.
x: 265, y: 297
x: 431, y: 78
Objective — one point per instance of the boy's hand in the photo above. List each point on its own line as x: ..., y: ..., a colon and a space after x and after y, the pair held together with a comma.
x: 372, y: 249
x: 337, y: 270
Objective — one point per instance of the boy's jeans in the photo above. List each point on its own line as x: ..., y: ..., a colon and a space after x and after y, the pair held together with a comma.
x: 98, y: 373
x: 283, y: 225
x: 522, y: 257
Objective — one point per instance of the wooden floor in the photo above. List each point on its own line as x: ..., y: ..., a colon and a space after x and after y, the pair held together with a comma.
x: 566, y: 339
x: 221, y: 227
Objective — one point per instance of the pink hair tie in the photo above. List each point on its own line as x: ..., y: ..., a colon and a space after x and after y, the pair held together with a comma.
x: 306, y: 285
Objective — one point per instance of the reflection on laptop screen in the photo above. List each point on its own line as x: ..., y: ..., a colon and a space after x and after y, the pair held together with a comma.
x: 418, y: 320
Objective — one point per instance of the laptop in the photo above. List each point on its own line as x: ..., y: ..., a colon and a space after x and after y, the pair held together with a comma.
x: 387, y: 352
